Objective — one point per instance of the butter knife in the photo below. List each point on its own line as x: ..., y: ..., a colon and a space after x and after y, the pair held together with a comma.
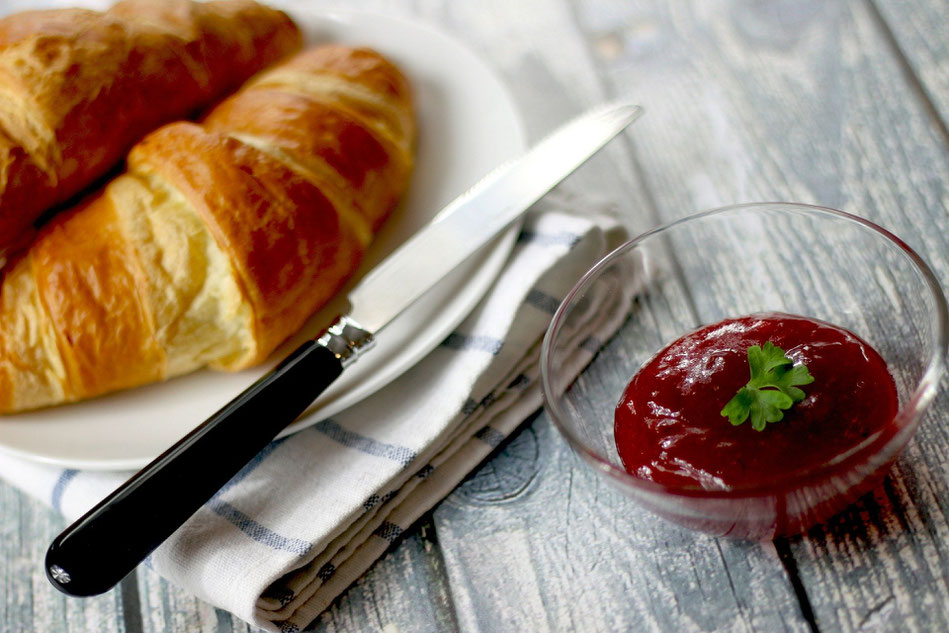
x: 108, y: 542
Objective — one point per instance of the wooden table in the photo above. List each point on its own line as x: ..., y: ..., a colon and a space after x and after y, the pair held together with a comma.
x: 835, y: 102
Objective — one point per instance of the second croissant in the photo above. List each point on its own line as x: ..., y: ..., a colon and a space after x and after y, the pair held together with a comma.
x: 219, y: 241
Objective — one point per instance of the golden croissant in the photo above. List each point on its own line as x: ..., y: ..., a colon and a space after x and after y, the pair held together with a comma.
x: 219, y: 241
x: 78, y: 88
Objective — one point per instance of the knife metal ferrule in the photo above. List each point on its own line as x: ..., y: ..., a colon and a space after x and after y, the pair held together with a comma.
x: 347, y: 340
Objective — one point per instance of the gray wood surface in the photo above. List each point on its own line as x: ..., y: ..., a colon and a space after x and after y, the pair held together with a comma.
x: 918, y: 32
x: 840, y: 103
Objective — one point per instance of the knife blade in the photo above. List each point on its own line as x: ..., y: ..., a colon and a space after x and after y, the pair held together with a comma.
x: 98, y: 550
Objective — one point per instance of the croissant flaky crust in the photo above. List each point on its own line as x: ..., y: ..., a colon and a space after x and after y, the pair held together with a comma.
x: 219, y: 241
x: 79, y: 87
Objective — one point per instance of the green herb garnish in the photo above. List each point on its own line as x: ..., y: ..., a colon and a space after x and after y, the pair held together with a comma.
x: 771, y: 390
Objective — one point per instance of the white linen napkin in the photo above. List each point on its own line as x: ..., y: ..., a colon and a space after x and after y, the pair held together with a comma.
x: 313, y: 511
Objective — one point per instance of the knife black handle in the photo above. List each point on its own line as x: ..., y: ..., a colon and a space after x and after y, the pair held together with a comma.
x: 108, y: 542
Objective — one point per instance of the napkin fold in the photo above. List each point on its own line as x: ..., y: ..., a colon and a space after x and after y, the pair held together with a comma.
x: 314, y: 510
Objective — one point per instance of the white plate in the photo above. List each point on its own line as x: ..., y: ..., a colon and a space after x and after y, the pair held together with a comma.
x: 467, y: 125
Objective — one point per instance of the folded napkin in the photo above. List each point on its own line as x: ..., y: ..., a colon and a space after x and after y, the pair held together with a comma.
x: 314, y: 510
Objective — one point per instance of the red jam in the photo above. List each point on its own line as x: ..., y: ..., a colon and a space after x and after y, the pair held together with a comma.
x: 668, y: 424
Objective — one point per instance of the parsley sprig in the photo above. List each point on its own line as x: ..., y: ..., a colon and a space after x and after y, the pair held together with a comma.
x: 771, y: 390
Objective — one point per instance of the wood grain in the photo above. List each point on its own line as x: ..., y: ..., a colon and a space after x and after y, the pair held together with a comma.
x: 28, y: 602
x: 918, y: 28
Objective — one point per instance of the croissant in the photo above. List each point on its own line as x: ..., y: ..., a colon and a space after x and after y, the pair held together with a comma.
x: 219, y: 240
x: 79, y: 87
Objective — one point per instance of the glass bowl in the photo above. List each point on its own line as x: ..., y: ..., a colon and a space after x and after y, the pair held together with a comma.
x: 768, y: 257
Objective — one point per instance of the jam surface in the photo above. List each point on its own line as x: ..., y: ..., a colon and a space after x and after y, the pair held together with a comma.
x: 668, y: 423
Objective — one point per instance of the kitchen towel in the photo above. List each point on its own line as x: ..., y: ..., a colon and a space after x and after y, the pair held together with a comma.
x: 314, y: 510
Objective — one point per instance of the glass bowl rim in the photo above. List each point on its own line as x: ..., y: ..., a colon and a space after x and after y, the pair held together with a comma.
x: 910, y: 411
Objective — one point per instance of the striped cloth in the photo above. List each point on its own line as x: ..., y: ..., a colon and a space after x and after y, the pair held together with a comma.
x: 313, y: 511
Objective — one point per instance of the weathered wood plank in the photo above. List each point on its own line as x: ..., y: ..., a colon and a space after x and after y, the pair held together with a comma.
x: 28, y: 602
x: 792, y: 100
x: 919, y: 30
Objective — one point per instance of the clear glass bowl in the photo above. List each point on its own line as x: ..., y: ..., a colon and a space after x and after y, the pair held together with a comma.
x: 729, y: 262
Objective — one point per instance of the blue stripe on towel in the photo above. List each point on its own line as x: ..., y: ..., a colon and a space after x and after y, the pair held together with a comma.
x: 365, y: 444
x: 473, y: 342
x: 244, y: 523
x: 388, y: 531
x: 562, y: 238
x: 284, y: 595
x: 470, y: 406
x: 256, y: 531
x: 56, y: 497
x: 375, y: 500
x: 543, y: 301
x: 325, y: 572
x: 491, y: 437
x: 520, y: 381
